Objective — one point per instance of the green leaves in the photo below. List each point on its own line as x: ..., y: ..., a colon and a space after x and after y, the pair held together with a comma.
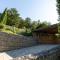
x: 13, y: 17
x: 3, y: 18
x: 58, y: 8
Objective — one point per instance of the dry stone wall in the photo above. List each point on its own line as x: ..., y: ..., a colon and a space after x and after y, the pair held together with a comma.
x: 10, y: 41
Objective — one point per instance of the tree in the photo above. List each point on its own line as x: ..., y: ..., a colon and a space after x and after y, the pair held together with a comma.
x: 0, y: 14
x: 58, y: 8
x: 43, y: 25
x: 27, y: 23
x: 21, y: 23
x: 33, y: 25
x: 13, y: 17
x: 3, y: 17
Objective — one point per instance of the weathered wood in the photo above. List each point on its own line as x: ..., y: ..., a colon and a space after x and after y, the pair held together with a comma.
x: 47, y: 35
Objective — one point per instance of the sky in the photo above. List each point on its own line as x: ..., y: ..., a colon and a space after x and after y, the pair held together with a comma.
x: 43, y: 10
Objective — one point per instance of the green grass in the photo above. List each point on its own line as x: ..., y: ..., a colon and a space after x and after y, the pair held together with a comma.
x: 9, y: 29
x: 14, y: 30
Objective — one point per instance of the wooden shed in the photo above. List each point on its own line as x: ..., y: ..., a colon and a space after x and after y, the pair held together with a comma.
x: 47, y: 35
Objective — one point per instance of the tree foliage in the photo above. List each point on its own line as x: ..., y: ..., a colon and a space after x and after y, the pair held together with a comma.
x: 3, y: 17
x: 21, y: 23
x: 58, y: 8
x: 27, y: 22
x: 13, y: 17
x: 43, y: 25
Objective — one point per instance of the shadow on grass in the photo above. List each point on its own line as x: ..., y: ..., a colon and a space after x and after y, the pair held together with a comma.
x: 26, y: 33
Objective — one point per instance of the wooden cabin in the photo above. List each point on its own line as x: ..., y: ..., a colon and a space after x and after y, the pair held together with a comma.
x: 47, y: 35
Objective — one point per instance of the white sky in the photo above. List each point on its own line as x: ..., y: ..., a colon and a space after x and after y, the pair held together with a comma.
x: 45, y: 10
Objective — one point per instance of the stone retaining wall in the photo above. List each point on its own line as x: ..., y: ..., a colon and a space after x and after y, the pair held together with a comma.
x: 10, y: 41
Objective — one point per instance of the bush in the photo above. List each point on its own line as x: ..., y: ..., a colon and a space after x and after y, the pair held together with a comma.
x: 26, y: 33
x: 1, y: 26
x: 12, y: 29
x: 8, y: 28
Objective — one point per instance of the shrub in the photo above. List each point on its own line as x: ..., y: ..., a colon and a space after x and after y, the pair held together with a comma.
x: 26, y: 33
x: 1, y: 26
